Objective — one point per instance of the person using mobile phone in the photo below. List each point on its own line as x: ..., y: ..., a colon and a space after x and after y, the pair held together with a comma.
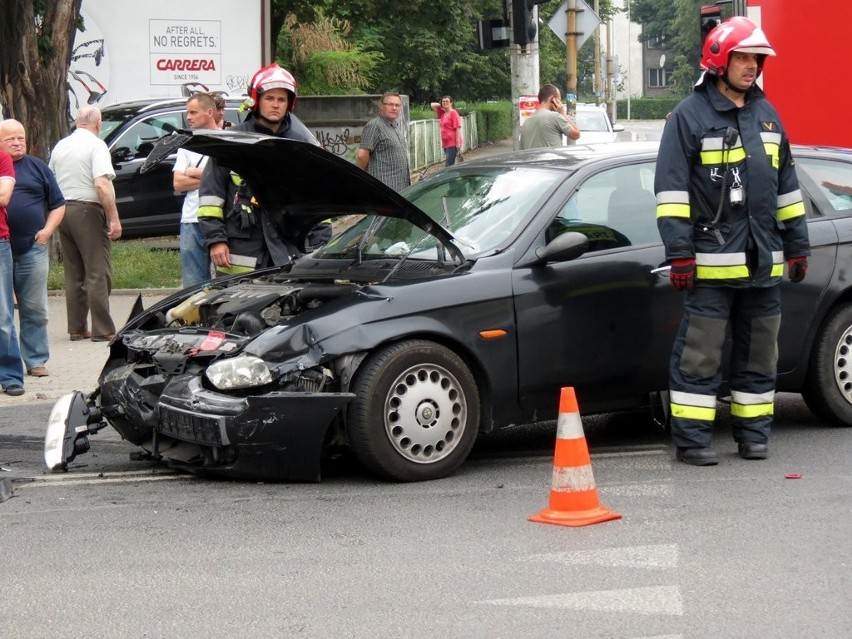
x: 549, y: 123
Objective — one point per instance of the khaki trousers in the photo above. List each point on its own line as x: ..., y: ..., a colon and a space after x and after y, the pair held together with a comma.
x: 88, y: 267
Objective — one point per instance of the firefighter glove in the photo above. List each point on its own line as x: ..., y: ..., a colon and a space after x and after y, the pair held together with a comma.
x: 796, y: 268
x: 682, y: 273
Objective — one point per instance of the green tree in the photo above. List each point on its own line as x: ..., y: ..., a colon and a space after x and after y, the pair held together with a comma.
x: 37, y: 37
x: 426, y: 48
x: 320, y: 56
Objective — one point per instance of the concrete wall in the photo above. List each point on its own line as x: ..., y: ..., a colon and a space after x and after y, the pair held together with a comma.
x: 337, y: 121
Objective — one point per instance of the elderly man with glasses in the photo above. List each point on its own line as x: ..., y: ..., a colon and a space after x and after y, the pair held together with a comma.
x: 383, y: 151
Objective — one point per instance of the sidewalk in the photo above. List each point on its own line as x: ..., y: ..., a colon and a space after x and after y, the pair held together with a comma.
x: 74, y: 365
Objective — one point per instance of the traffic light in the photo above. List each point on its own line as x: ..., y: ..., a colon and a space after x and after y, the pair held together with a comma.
x: 524, y: 27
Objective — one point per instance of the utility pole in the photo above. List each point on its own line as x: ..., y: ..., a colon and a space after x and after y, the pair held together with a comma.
x: 599, y: 91
x: 524, y: 62
x: 571, y: 71
x: 610, y: 73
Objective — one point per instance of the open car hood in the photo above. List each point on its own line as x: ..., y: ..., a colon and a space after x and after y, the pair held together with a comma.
x: 304, y: 181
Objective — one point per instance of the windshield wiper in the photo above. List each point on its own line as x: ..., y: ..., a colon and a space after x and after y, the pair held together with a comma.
x: 368, y: 233
x: 403, y: 259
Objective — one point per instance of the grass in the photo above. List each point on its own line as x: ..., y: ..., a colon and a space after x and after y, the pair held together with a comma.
x: 137, y: 264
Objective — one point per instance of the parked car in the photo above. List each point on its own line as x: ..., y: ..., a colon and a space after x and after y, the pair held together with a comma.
x: 456, y: 310
x: 595, y: 125
x: 148, y: 204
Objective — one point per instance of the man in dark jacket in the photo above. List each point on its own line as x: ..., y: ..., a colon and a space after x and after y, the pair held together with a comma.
x: 240, y: 233
x: 730, y: 214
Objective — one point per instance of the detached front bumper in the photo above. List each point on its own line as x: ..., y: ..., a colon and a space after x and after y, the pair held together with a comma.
x: 274, y: 436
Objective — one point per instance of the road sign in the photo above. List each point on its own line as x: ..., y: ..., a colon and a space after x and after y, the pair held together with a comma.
x: 587, y: 22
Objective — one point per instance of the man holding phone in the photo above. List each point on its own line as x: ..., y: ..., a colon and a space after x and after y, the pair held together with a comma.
x: 549, y: 123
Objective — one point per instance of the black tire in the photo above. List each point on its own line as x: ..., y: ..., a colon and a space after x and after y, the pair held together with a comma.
x: 828, y: 387
x: 416, y: 415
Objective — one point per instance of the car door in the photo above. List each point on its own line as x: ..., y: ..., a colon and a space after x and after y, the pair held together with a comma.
x: 147, y: 202
x: 827, y: 192
x: 603, y: 323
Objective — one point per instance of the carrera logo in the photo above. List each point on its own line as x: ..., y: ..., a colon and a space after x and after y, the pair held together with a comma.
x: 166, y: 64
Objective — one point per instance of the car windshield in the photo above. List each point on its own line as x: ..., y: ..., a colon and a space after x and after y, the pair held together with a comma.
x: 591, y: 121
x: 481, y: 208
x: 112, y: 119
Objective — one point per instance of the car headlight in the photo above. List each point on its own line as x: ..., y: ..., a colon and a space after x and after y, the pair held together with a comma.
x: 239, y: 372
x: 71, y: 421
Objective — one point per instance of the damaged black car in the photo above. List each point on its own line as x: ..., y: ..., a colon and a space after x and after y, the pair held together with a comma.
x: 430, y: 319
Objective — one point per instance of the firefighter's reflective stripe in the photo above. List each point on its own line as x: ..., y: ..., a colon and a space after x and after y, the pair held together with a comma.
x: 790, y: 205
x: 693, y: 406
x: 712, y: 152
x: 777, y: 264
x: 750, y: 405
x: 673, y: 204
x: 720, y: 266
x: 234, y: 269
x: 211, y: 206
x: 772, y: 146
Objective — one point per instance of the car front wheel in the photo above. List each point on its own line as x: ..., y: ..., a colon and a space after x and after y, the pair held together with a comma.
x: 416, y: 415
x: 828, y: 388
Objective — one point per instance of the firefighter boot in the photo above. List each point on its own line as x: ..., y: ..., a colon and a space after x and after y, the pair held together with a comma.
x: 753, y: 450
x: 697, y: 456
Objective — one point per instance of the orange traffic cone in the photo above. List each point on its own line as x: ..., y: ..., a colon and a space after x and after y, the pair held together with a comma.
x: 573, y: 496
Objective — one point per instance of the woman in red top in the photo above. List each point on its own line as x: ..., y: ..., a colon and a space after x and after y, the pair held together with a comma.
x: 451, y: 133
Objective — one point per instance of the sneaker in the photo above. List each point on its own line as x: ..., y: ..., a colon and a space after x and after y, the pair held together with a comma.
x: 14, y: 390
x: 38, y: 371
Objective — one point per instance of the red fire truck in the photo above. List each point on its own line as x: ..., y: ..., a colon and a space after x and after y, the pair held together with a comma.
x: 808, y: 80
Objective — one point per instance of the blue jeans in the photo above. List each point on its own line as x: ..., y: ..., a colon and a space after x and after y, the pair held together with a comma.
x: 194, y: 256
x: 11, y: 369
x: 451, y: 152
x: 30, y: 276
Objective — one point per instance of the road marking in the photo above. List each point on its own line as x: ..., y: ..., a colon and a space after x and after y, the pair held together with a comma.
x: 654, y: 556
x: 80, y: 479
x: 655, y: 600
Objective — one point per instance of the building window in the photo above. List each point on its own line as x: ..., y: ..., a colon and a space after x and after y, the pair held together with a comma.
x: 658, y: 78
x: 657, y: 42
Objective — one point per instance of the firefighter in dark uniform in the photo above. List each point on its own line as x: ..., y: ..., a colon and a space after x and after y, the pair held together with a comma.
x: 240, y: 234
x: 730, y: 214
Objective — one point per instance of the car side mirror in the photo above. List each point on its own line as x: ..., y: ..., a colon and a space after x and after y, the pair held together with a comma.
x: 567, y: 246
x: 121, y: 154
x: 618, y: 128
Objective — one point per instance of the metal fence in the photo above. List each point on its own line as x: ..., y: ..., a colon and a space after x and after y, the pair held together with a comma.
x: 424, y: 141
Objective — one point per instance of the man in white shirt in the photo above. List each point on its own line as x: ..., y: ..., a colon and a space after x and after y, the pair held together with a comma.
x: 83, y: 168
x: 194, y: 257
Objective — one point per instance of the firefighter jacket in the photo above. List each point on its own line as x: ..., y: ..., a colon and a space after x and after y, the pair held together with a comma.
x: 761, y: 222
x: 228, y: 212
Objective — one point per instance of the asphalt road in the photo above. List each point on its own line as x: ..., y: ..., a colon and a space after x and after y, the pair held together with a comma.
x: 117, y: 548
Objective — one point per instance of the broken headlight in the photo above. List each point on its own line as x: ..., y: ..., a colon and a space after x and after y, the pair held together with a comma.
x: 238, y: 372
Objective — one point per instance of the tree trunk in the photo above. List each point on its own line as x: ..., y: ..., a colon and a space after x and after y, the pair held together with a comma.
x: 34, y: 60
